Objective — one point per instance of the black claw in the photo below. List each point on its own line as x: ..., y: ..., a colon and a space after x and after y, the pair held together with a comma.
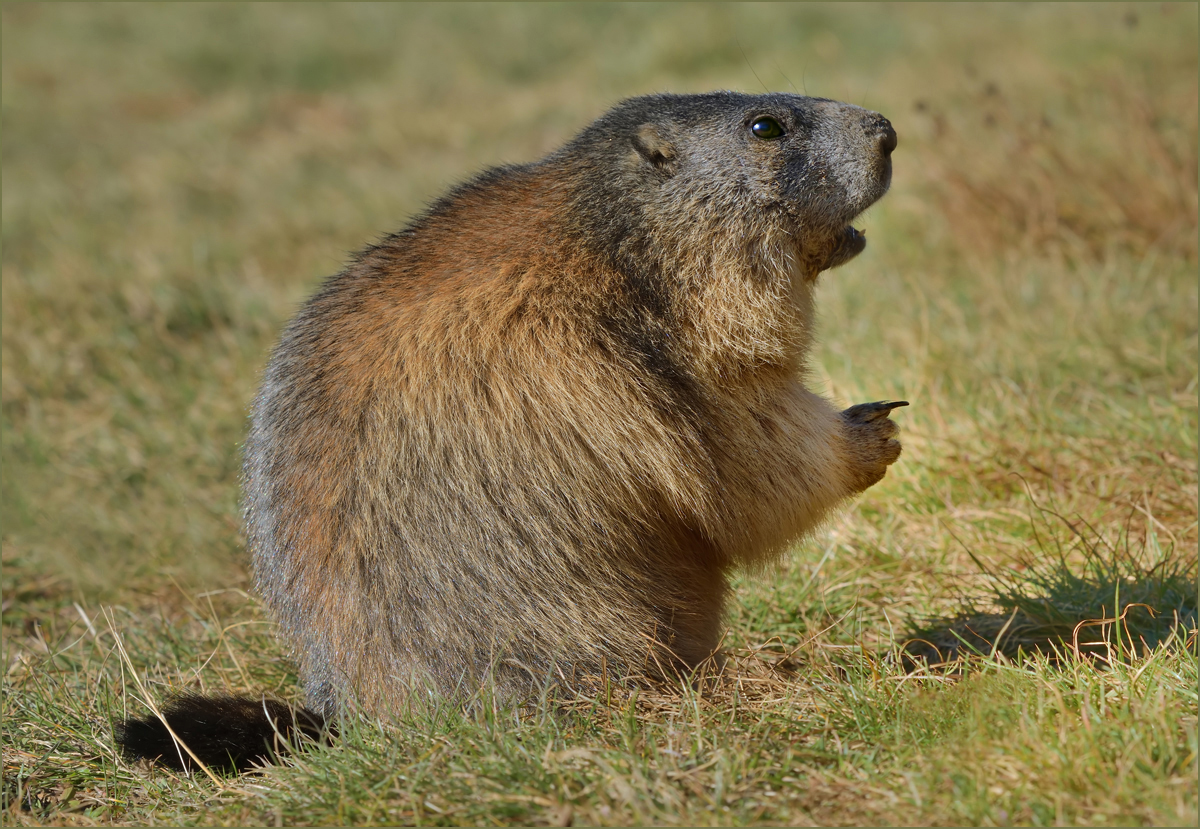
x: 866, y: 412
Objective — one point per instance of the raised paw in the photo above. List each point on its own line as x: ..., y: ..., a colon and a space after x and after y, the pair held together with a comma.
x: 870, y: 437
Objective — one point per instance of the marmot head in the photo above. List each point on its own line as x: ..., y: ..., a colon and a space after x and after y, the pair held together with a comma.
x: 737, y: 166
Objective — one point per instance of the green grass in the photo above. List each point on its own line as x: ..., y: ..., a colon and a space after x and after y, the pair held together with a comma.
x: 1089, y: 600
x: 179, y: 177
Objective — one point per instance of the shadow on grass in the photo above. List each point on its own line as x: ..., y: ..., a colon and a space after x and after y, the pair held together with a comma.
x: 1094, y: 599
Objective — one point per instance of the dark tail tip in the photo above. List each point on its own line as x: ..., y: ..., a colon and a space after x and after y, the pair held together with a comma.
x: 225, y: 733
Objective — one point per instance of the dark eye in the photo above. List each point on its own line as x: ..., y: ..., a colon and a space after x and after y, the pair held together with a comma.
x: 766, y: 128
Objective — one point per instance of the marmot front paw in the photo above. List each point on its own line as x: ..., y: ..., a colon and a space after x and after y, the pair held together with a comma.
x: 872, y: 441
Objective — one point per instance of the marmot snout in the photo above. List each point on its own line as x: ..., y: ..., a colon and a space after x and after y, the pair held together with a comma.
x: 529, y: 435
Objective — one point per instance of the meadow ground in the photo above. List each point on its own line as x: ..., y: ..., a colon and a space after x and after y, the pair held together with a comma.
x: 177, y: 178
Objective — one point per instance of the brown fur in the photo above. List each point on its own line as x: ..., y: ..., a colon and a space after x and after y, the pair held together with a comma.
x: 529, y: 435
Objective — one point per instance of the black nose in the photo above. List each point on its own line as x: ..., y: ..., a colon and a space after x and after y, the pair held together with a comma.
x: 886, y: 135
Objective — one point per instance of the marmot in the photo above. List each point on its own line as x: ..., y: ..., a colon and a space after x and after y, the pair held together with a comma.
x: 525, y: 439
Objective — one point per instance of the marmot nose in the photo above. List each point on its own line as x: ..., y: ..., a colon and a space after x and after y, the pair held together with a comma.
x: 885, y: 135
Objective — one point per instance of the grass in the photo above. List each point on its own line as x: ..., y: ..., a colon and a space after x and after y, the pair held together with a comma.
x: 178, y: 178
x: 1090, y: 601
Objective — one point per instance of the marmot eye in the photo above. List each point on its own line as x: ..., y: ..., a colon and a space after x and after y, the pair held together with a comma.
x: 766, y: 128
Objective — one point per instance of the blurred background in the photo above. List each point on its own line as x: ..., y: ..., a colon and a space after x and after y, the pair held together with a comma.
x: 179, y: 177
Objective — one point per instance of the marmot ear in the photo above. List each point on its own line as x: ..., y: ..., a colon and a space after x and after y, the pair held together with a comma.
x: 653, y: 145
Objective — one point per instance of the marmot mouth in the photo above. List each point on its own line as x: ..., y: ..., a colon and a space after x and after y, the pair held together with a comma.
x: 848, y: 243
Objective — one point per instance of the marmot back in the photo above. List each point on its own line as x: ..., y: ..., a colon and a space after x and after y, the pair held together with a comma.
x: 528, y: 436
